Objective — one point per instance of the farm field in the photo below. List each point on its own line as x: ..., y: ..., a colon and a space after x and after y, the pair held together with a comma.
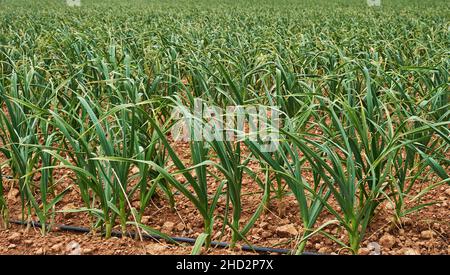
x: 299, y: 126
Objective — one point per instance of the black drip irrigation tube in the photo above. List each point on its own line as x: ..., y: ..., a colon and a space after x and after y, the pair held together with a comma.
x: 214, y: 244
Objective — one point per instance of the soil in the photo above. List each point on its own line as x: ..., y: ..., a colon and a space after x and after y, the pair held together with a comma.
x: 423, y: 232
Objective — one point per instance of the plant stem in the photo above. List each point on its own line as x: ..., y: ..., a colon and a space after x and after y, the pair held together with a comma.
x: 108, y: 227
x: 354, y: 243
x: 5, y: 216
x: 123, y: 219
x: 208, y: 230
x: 301, y: 247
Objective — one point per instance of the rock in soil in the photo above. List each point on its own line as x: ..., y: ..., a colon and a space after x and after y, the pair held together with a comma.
x: 15, y: 237
x: 324, y: 250
x: 407, y: 221
x: 263, y: 225
x: 154, y: 248
x: 168, y: 226
x: 40, y: 251
x: 28, y: 242
x: 408, y: 251
x: 287, y: 230
x: 57, y: 247
x: 427, y: 234
x: 447, y: 192
x: 374, y: 248
x: 180, y: 226
x: 387, y: 241
x: 73, y: 248
x: 87, y: 251
x: 67, y: 210
x: 13, y: 194
x: 363, y: 251
x: 145, y: 219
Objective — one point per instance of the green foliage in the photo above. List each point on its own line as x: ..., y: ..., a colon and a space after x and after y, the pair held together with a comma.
x: 363, y: 94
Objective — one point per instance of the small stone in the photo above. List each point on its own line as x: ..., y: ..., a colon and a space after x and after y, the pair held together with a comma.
x: 374, y: 247
x: 266, y: 234
x: 324, y: 250
x: 287, y: 230
x: 363, y: 251
x: 145, y: 219
x: 12, y: 246
x: 408, y: 251
x: 136, y: 204
x: 28, y: 242
x: 427, y: 234
x: 154, y: 248
x: 263, y: 225
x: 68, y: 210
x: 406, y: 221
x: 13, y: 194
x: 87, y: 251
x: 15, y: 237
x: 217, y: 235
x: 73, y: 248
x: 180, y: 226
x: 447, y: 192
x: 318, y: 246
x: 387, y: 241
x: 39, y: 251
x: 328, y: 242
x: 57, y: 247
x: 273, y: 241
x: 168, y: 226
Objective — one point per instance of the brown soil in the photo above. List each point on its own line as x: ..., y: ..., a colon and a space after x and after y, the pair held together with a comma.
x: 423, y: 232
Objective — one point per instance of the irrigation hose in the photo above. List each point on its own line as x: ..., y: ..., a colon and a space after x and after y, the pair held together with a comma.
x: 215, y: 244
